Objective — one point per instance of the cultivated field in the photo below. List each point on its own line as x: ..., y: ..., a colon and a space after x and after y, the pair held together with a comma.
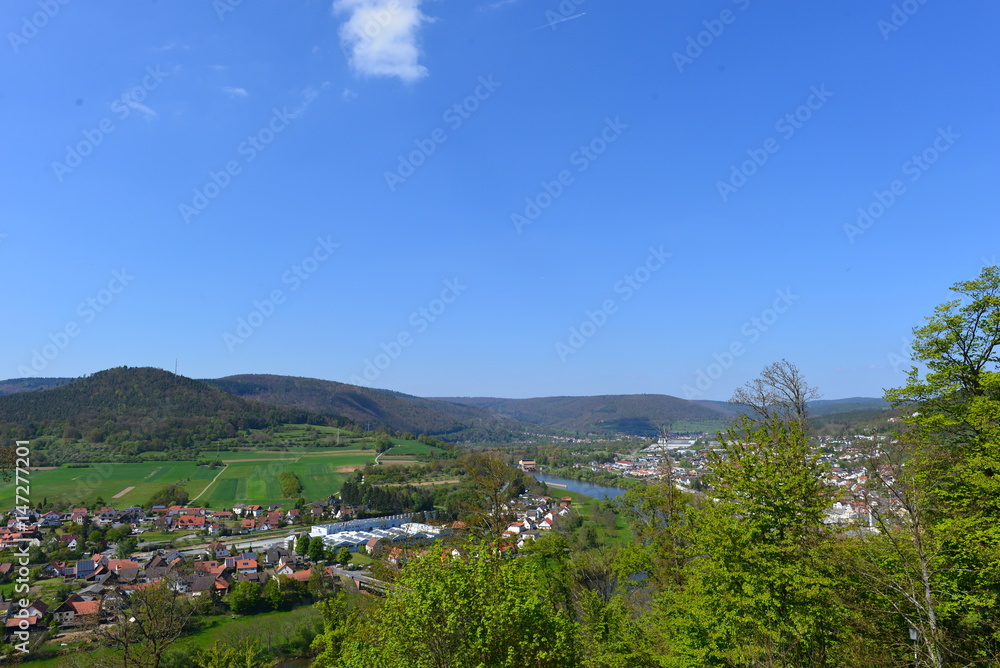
x: 249, y: 476
x: 77, y: 485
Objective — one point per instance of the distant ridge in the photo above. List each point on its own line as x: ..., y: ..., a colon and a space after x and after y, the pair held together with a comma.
x: 142, y: 401
x: 375, y: 408
x: 638, y: 414
x: 15, y: 385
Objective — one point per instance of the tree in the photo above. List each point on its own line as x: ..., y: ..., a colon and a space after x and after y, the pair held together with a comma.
x: 302, y: 544
x: 472, y: 611
x: 245, y: 598
x: 282, y: 592
x: 126, y: 546
x: 780, y: 393
x: 340, y: 621
x: 954, y: 413
x: 317, y: 549
x: 759, y: 591
x: 383, y: 442
x: 145, y: 625
x: 344, y: 556
x: 900, y: 558
x: 492, y: 483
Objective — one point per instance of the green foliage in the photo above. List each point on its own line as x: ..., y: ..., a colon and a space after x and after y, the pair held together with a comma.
x: 317, y: 549
x: 340, y: 620
x: 247, y: 654
x: 954, y: 410
x: 344, y: 556
x: 245, y: 598
x: 123, y: 412
x: 284, y: 593
x: 171, y: 495
x: 290, y: 484
x: 126, y: 546
x: 758, y: 592
x: 473, y: 611
x: 610, y: 636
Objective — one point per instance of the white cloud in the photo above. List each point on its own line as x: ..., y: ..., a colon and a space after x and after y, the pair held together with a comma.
x: 349, y: 94
x: 380, y: 37
x: 146, y: 112
x: 235, y: 92
x: 495, y: 5
x: 309, y: 94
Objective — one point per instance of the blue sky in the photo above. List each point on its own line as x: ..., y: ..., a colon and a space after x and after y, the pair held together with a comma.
x: 520, y: 198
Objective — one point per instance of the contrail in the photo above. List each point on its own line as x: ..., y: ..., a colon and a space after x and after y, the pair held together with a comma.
x: 553, y: 23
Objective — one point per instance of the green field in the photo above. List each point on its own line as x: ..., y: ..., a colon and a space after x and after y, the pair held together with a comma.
x: 321, y: 475
x: 402, y: 447
x: 321, y: 457
x: 243, y: 480
x: 81, y: 485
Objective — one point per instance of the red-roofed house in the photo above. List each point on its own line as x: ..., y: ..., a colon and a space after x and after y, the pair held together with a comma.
x: 246, y: 565
x: 76, y: 611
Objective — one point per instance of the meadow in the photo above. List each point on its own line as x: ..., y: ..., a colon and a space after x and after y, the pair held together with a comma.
x: 321, y: 457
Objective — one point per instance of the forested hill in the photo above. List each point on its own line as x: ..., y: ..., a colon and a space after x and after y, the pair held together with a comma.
x: 642, y: 414
x: 15, y: 385
x: 152, y: 409
x: 375, y: 408
x: 140, y: 409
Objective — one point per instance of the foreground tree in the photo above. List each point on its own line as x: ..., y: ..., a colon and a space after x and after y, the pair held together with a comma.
x: 954, y: 413
x: 492, y: 484
x: 145, y: 625
x: 470, y: 611
x: 758, y: 592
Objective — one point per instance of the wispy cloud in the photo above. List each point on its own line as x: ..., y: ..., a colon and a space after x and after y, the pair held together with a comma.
x: 381, y: 37
x: 170, y: 46
x: 309, y: 93
x: 146, y: 112
x: 235, y: 92
x: 349, y: 94
x: 495, y: 5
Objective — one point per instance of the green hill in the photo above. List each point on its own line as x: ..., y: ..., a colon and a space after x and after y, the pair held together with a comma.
x: 122, y: 412
x: 374, y: 408
x: 638, y: 414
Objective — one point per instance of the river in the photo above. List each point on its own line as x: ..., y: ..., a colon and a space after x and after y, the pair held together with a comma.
x: 579, y: 486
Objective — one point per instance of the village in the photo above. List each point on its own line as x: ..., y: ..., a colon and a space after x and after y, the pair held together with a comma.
x: 850, y: 461
x: 71, y: 595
